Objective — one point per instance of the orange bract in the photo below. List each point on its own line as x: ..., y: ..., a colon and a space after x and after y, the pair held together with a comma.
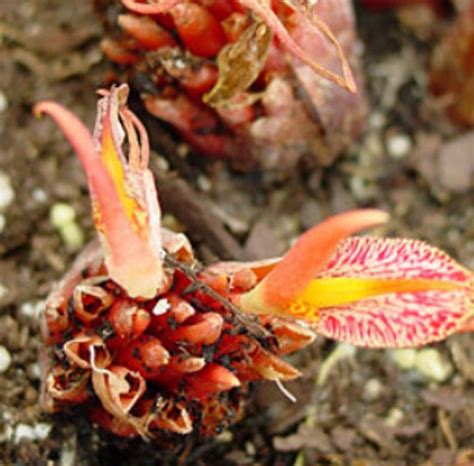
x: 124, y: 199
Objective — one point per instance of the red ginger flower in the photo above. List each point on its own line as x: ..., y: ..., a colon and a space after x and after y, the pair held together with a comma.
x: 167, y: 347
x: 367, y: 291
x: 135, y: 334
x: 270, y: 77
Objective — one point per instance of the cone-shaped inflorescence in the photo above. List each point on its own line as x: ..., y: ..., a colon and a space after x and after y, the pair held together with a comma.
x: 149, y: 343
x: 275, y: 78
x: 137, y: 335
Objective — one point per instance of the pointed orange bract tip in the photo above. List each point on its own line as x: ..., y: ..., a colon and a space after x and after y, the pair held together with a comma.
x: 332, y: 292
x: 306, y: 258
x: 124, y: 199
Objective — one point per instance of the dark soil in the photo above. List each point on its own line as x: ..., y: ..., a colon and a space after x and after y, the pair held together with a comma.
x: 366, y: 409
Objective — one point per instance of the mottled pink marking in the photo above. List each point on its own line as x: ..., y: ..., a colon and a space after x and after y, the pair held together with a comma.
x: 372, y: 257
x: 397, y: 319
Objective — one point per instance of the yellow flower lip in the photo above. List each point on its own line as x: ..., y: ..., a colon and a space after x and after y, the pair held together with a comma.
x: 288, y: 279
x: 368, y: 291
x: 115, y: 169
x: 338, y: 291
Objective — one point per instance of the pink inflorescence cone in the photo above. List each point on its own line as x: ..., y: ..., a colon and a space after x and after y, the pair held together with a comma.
x: 136, y: 334
x: 278, y: 79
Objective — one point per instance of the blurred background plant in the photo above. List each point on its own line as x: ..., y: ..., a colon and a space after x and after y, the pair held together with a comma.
x: 260, y: 85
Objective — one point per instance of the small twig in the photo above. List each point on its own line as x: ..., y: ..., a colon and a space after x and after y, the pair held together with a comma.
x: 247, y: 321
x: 447, y: 431
x: 184, y: 455
x: 191, y: 209
x: 462, y: 360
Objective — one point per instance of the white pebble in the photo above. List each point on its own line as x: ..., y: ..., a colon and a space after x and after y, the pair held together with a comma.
x: 24, y: 432
x: 404, y: 358
x: 34, y: 371
x: 6, y: 433
x: 398, y: 145
x: 3, y: 101
x: 225, y: 437
x: 39, y: 195
x: 161, y: 164
x: 3, y: 290
x: 31, y: 310
x: 394, y: 417
x: 161, y: 307
x: 42, y: 430
x: 204, y: 183
x: 250, y: 449
x: 432, y: 365
x: 6, y: 191
x: 361, y: 188
x: 377, y: 120
x: 61, y: 214
x: 72, y: 235
x: 5, y: 359
x: 372, y: 390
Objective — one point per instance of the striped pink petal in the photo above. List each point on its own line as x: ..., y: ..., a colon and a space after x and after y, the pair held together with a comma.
x: 372, y: 257
x: 397, y: 319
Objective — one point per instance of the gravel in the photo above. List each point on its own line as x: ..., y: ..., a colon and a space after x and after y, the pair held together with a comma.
x: 7, y: 194
x: 5, y: 359
x: 432, y: 365
x: 61, y: 214
x: 398, y: 145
